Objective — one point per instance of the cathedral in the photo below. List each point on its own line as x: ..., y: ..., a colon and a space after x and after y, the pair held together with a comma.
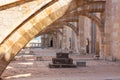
x: 74, y: 26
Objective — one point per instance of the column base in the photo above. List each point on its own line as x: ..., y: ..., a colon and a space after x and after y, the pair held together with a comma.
x: 110, y: 58
x: 1, y: 79
x: 96, y: 57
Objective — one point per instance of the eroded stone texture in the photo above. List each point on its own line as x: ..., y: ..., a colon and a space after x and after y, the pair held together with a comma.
x: 19, y: 38
x: 82, y: 34
x: 12, y: 17
x: 108, y: 29
x: 113, y: 29
x: 21, y: 23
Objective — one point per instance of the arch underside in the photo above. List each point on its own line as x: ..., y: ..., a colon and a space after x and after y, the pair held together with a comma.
x: 38, y: 24
x: 86, y: 10
x: 66, y: 21
x: 18, y: 39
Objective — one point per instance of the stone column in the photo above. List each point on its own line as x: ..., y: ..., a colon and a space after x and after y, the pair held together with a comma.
x: 5, y: 59
x: 102, y: 36
x: 112, y: 29
x: 76, y: 43
x: 74, y: 39
x: 81, y: 35
x: 93, y: 38
x: 60, y: 40
x: 43, y: 41
x: 63, y: 39
x: 57, y: 40
x: 108, y: 25
x: 3, y: 64
x: 72, y: 42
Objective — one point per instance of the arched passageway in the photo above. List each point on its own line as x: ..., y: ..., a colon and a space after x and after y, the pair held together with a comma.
x: 37, y: 22
x: 72, y: 17
x: 29, y: 29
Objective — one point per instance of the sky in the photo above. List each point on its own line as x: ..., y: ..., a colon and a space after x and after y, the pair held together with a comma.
x: 37, y: 39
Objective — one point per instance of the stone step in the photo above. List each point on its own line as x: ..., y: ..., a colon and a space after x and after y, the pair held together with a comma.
x: 62, y: 55
x: 81, y: 63
x: 62, y: 61
x: 62, y: 66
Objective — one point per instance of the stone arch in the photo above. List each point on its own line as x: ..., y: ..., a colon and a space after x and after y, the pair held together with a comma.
x: 51, y: 31
x: 18, y: 39
x: 88, y: 15
x: 37, y: 11
x: 62, y: 23
x: 72, y: 27
x: 69, y: 19
x: 93, y: 18
x: 13, y: 4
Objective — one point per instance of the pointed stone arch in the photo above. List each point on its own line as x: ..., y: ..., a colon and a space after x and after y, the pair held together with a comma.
x: 72, y: 27
x: 21, y: 36
x: 92, y: 17
x: 62, y: 23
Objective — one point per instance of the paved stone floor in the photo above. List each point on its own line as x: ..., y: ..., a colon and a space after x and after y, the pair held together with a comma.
x: 27, y: 68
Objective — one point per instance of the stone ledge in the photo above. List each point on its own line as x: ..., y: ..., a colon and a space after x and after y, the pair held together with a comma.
x: 62, y: 66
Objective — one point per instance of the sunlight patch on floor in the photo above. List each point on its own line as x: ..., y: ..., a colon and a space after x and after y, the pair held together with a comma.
x: 9, y: 67
x: 26, y: 63
x: 19, y: 76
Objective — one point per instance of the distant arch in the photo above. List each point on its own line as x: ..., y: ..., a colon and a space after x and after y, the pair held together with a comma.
x: 88, y: 15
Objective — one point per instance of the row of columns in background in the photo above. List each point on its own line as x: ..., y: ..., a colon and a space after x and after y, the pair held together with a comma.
x: 45, y: 41
x: 111, y: 43
x: 71, y: 41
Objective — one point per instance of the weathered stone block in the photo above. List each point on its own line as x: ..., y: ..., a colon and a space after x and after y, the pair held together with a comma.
x: 81, y: 63
x: 39, y: 58
x: 62, y: 66
x: 62, y: 61
x: 62, y: 55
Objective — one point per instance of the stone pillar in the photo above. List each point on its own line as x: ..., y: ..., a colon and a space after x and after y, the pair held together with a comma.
x: 87, y: 27
x: 2, y: 65
x: 63, y: 39
x: 93, y: 38
x: 67, y: 38
x: 81, y: 35
x: 112, y: 29
x: 60, y: 40
x: 74, y: 39
x: 108, y: 25
x: 41, y: 41
x: 5, y: 59
x: 102, y: 36
x: 57, y: 40
x: 76, y: 43
x: 72, y: 42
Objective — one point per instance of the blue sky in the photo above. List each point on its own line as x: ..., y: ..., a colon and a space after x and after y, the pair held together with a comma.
x: 37, y: 39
